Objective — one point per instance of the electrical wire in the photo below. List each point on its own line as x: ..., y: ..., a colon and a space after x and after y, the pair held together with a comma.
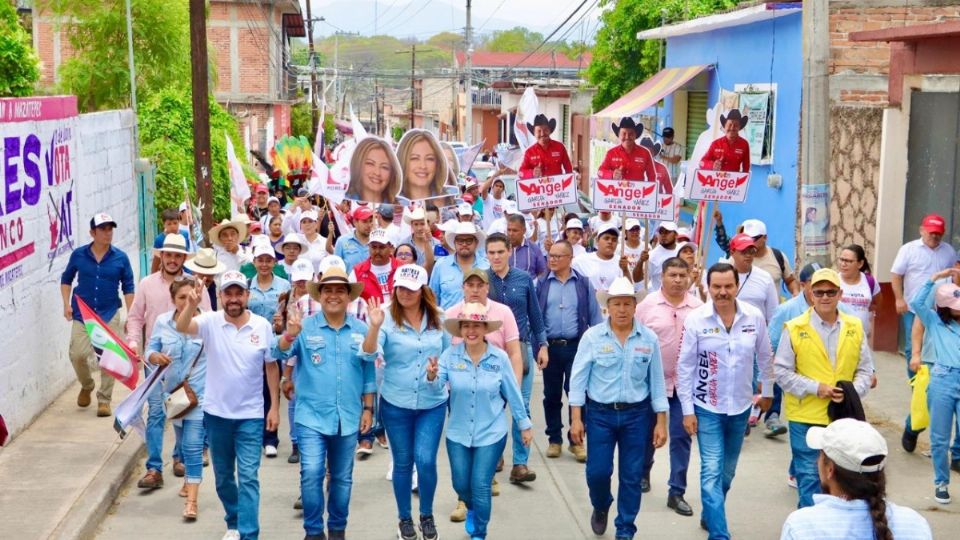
x: 546, y: 39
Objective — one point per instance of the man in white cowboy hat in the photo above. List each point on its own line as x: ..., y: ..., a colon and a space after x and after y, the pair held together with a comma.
x: 100, y: 270
x: 730, y: 152
x: 547, y: 157
x: 150, y: 301
x: 331, y: 362
x: 627, y: 417
x: 226, y: 238
x: 851, y: 456
x: 447, y: 276
x: 628, y: 160
x: 238, y: 345
x: 420, y: 237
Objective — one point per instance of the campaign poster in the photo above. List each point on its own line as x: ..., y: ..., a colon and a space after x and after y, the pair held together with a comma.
x: 425, y: 170
x: 754, y: 107
x: 40, y: 166
x: 374, y: 172
x: 814, y: 208
x: 624, y: 195
x: 666, y: 209
x: 721, y: 186
x: 545, y: 192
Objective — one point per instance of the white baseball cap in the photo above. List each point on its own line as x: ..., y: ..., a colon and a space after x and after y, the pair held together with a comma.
x: 101, y: 218
x: 331, y: 261
x: 683, y: 232
x: 631, y: 223
x: 607, y: 227
x: 309, y: 214
x: 264, y: 249
x: 301, y: 270
x: 574, y: 223
x: 232, y: 277
x: 510, y: 207
x: 464, y: 209
x: 849, y: 443
x: 184, y: 207
x: 410, y: 276
x: 381, y: 236
x: 754, y: 228
x: 668, y: 225
x: 273, y: 199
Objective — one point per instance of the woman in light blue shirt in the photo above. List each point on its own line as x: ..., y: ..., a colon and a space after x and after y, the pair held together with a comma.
x: 408, y: 333
x: 481, y: 383
x: 185, y: 360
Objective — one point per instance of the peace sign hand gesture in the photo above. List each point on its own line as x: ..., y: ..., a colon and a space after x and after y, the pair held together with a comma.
x: 433, y: 368
x: 294, y: 323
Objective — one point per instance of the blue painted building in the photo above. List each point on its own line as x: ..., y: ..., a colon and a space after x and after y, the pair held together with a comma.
x: 753, y: 50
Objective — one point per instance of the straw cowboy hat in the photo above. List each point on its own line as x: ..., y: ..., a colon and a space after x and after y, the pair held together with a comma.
x: 174, y: 243
x: 334, y: 276
x: 471, y: 312
x: 621, y: 287
x: 627, y: 123
x: 239, y: 226
x: 541, y: 120
x: 464, y: 228
x: 735, y: 115
x: 205, y: 262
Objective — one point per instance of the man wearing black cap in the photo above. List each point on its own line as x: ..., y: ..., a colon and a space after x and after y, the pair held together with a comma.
x: 628, y: 161
x: 547, y: 157
x: 100, y: 269
x: 671, y: 153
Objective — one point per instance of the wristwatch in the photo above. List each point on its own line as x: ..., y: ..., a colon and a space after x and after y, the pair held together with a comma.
x: 368, y: 408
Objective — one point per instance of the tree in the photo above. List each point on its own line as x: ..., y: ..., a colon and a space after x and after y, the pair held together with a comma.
x: 518, y: 39
x: 18, y: 61
x: 446, y: 40
x: 98, y: 73
x: 621, y: 61
x: 166, y: 138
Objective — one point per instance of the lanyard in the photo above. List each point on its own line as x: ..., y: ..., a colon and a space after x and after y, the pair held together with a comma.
x: 745, y: 280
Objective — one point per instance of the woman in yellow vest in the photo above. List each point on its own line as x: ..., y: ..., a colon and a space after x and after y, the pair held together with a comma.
x: 818, y: 349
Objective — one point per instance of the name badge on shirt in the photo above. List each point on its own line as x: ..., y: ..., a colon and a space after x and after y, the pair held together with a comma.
x: 460, y: 367
x: 316, y: 358
x: 748, y: 329
x: 490, y: 367
x: 643, y: 350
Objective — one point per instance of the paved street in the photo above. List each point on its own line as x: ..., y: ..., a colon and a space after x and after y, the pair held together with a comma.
x: 555, y: 506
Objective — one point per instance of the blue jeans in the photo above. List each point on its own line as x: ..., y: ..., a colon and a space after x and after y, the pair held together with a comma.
x: 720, y: 438
x: 377, y: 429
x: 191, y: 445
x: 316, y: 451
x: 521, y: 453
x: 472, y: 470
x: 156, y: 418
x: 271, y: 438
x: 235, y: 451
x: 679, y: 450
x: 556, y: 383
x: 943, y: 401
x: 804, y: 464
x: 629, y: 432
x: 291, y: 412
x: 414, y: 439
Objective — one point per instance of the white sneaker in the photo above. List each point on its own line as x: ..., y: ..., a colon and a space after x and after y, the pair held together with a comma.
x: 232, y: 534
x: 269, y: 451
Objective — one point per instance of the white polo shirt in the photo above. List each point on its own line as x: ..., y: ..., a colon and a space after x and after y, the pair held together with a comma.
x: 235, y: 359
x: 715, y: 367
x: 916, y: 263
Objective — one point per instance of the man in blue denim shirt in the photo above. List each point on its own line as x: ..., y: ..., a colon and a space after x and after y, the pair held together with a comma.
x: 514, y: 288
x: 335, y: 383
x: 99, y: 269
x: 618, y: 375
x: 446, y: 280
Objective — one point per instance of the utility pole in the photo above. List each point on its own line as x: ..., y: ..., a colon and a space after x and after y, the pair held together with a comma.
x: 201, y: 112
x: 413, y: 85
x: 468, y: 80
x: 814, y: 126
x: 315, y: 116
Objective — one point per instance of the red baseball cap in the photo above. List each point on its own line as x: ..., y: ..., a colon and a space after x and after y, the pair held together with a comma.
x: 741, y: 242
x: 362, y: 213
x: 468, y: 198
x: 933, y: 223
x: 261, y: 188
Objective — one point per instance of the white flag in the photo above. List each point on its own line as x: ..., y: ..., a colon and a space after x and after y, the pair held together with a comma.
x: 526, y: 111
x: 359, y: 132
x: 239, y: 190
x: 318, y: 139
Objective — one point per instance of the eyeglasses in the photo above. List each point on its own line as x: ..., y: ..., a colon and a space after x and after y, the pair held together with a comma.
x: 829, y: 293
x: 404, y: 255
x: 465, y: 241
x: 560, y: 256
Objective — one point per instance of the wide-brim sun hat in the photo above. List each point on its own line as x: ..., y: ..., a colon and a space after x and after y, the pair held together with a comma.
x: 205, y: 263
x: 464, y: 228
x: 174, y: 243
x: 334, y: 276
x: 621, y: 287
x: 239, y: 226
x: 471, y: 312
x: 295, y: 238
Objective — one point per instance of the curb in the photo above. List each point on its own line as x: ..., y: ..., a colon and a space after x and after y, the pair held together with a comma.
x: 95, y: 500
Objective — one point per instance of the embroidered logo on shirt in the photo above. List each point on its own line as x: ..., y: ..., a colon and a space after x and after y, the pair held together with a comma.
x: 606, y: 349
x: 316, y: 358
x: 255, y: 339
x: 707, y: 331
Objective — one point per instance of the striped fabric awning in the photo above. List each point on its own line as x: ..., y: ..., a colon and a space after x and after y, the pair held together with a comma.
x: 651, y: 91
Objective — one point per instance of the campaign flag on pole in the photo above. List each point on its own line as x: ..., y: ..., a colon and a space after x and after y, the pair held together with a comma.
x: 467, y: 156
x: 129, y: 412
x: 359, y: 132
x: 318, y: 139
x: 115, y: 357
x: 526, y: 111
x: 239, y: 189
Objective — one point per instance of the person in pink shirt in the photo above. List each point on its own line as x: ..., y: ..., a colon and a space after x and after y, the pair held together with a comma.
x: 664, y: 312
x: 152, y: 298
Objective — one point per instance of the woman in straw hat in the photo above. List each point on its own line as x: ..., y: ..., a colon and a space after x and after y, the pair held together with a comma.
x: 482, y: 384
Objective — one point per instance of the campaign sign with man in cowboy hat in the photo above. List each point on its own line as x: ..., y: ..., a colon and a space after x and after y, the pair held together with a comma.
x: 625, y: 196
x: 545, y: 192
x: 722, y: 186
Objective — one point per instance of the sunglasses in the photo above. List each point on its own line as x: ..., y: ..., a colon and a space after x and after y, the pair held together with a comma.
x: 829, y: 293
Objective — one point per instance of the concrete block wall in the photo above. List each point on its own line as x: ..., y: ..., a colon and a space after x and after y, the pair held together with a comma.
x: 34, y: 364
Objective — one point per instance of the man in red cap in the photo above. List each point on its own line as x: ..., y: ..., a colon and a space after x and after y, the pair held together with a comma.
x: 755, y: 284
x: 261, y: 199
x: 547, y: 157
x: 352, y: 247
x: 628, y: 161
x: 916, y: 261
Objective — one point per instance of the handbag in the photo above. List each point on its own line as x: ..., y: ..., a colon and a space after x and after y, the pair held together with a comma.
x: 182, y: 399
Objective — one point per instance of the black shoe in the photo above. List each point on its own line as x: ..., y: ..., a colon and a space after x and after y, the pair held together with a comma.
x: 428, y: 528
x: 909, y: 440
x: 703, y: 524
x: 294, y: 455
x: 406, y: 530
x: 679, y: 505
x: 298, y: 504
x: 955, y: 465
x: 598, y: 522
x: 337, y: 535
x: 320, y: 536
x: 645, y: 485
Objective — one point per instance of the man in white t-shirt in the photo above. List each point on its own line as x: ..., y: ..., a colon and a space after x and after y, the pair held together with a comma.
x: 493, y: 195
x: 601, y: 220
x: 601, y: 267
x: 755, y: 286
x: 666, y: 247
x: 238, y: 346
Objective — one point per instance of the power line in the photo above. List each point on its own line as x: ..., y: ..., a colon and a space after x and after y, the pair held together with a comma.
x: 484, y: 25
x: 424, y: 6
x: 546, y: 39
x: 397, y: 16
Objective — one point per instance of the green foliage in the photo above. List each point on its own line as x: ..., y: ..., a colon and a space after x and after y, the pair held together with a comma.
x: 518, y: 39
x: 380, y: 53
x: 166, y: 138
x: 397, y: 132
x: 301, y: 120
x: 446, y: 40
x: 19, y: 63
x: 98, y: 74
x: 300, y: 53
x: 620, y: 61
